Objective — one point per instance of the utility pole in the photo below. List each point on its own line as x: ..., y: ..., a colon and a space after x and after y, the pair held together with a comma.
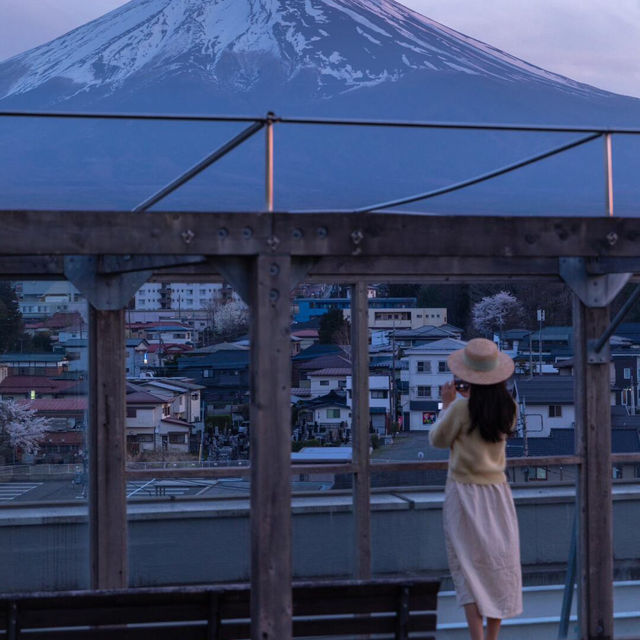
x: 540, y: 321
x: 392, y: 379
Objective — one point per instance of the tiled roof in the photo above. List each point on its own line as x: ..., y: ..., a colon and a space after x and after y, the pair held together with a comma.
x: 546, y: 389
x: 51, y: 405
x: 318, y: 350
x: 331, y: 371
x: 561, y: 442
x: 39, y: 384
x: 333, y: 361
x: 31, y: 357
x: 143, y: 397
x: 176, y: 421
x: 63, y: 437
x: 444, y: 345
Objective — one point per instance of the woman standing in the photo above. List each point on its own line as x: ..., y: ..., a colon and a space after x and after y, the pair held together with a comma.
x: 480, y: 524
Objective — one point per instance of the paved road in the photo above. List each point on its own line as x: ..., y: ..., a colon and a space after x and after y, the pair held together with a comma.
x: 407, y: 446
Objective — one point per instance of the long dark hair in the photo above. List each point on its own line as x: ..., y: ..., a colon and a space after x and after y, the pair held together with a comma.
x: 492, y: 411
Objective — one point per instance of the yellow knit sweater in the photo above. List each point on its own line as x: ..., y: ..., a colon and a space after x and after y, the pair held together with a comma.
x: 472, y: 460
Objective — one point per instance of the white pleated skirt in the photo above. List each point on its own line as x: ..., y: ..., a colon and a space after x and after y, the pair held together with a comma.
x: 483, y: 547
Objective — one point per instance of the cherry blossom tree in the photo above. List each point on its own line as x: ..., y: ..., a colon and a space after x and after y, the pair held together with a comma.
x: 230, y: 319
x: 20, y: 427
x: 492, y: 313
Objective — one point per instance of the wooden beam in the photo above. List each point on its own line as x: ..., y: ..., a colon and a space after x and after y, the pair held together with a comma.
x: 360, y: 429
x: 270, y: 412
x: 593, y: 444
x: 346, y: 234
x: 107, y: 450
x: 421, y: 269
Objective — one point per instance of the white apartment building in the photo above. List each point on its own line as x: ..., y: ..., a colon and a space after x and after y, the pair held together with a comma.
x: 179, y: 296
x: 425, y: 373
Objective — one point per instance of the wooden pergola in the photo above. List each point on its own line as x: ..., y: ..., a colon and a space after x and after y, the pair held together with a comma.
x: 109, y: 255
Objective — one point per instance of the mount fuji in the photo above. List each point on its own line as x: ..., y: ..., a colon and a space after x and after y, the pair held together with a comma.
x: 327, y: 58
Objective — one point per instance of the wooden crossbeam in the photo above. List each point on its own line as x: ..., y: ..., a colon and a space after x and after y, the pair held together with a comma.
x: 345, y: 234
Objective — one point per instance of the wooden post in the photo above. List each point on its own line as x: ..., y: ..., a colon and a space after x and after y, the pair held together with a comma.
x: 593, y: 444
x: 107, y: 450
x: 270, y: 448
x: 360, y: 429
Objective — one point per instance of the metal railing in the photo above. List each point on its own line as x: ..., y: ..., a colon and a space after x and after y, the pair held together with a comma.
x: 269, y: 121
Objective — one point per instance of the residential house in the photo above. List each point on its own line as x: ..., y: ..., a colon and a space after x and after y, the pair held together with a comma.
x: 224, y: 375
x: 329, y: 379
x: 44, y: 298
x: 405, y: 338
x: 150, y: 425
x: 425, y: 373
x: 318, y: 356
x: 76, y: 352
x: 326, y: 418
x: 34, y: 364
x: 379, y: 402
x: 183, y: 394
x: 167, y: 333
x: 139, y: 357
x: 546, y: 402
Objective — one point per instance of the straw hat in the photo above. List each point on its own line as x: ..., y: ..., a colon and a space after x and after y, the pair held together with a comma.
x: 480, y: 362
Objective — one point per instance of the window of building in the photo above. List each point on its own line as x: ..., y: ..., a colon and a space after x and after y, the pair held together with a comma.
x: 176, y: 438
x: 379, y: 393
x: 132, y: 413
x: 626, y: 373
x: 333, y: 413
x: 423, y: 366
x: 555, y: 411
x: 538, y: 474
x: 442, y: 366
x: 617, y: 472
x: 423, y: 392
x: 324, y: 383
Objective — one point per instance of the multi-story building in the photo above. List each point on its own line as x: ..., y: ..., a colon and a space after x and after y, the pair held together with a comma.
x: 41, y: 299
x: 425, y: 373
x: 180, y: 296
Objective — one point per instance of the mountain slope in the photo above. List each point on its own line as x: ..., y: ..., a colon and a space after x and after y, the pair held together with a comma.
x: 231, y: 44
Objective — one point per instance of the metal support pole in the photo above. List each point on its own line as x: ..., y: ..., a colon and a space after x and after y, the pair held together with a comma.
x: 270, y: 448
x: 107, y: 450
x: 269, y: 162
x: 360, y: 429
x: 608, y: 174
x: 593, y: 444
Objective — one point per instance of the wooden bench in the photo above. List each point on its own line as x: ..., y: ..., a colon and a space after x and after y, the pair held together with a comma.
x: 393, y: 608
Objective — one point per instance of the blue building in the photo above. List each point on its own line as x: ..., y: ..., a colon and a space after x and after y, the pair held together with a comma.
x: 304, y: 309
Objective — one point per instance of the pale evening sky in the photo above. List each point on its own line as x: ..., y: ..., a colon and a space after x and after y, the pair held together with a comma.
x: 593, y: 41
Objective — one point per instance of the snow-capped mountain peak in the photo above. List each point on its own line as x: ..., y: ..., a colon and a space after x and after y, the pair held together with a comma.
x: 344, y: 44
